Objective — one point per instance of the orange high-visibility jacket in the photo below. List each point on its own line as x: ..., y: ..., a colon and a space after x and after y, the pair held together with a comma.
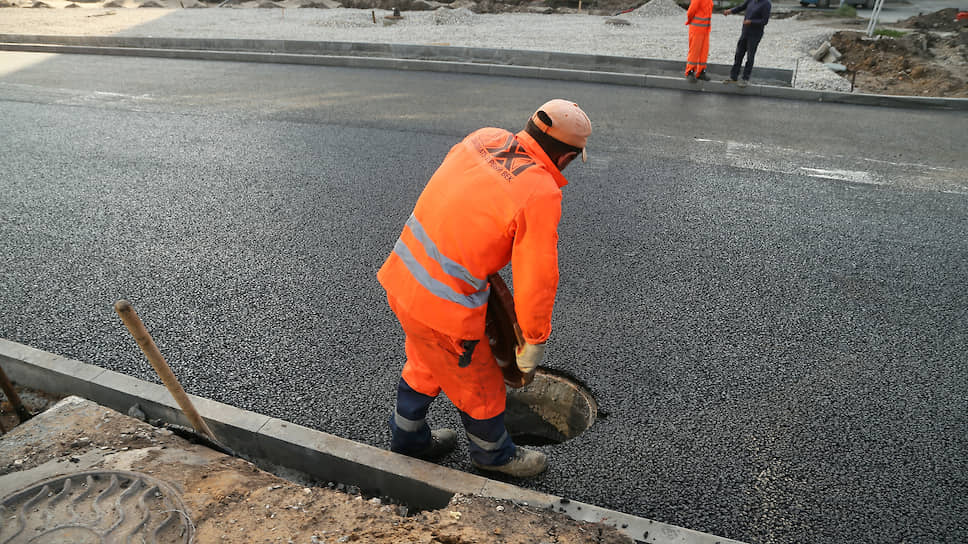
x: 496, y: 198
x: 700, y: 14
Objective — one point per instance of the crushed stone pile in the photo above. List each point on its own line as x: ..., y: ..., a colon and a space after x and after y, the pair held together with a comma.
x: 658, y: 8
x: 459, y: 16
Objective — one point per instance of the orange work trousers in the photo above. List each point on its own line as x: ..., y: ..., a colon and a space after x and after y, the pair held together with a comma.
x: 433, y: 364
x: 698, y: 49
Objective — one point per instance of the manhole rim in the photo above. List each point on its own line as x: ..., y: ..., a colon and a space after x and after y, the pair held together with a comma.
x: 557, y: 379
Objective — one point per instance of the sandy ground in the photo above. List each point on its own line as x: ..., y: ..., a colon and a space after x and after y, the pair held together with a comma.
x: 230, y: 500
x: 785, y: 44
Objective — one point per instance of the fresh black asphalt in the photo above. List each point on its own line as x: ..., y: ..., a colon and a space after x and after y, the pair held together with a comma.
x: 780, y: 358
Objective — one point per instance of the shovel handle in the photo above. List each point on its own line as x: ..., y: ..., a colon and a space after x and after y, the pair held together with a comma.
x: 14, y: 399
x: 147, y: 345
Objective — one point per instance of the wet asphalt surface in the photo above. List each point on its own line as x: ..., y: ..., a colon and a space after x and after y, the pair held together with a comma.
x: 779, y: 357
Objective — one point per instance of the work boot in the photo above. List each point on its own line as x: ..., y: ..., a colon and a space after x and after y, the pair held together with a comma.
x: 442, y: 442
x: 744, y: 82
x: 728, y: 81
x: 525, y: 464
x: 702, y: 75
x: 690, y: 77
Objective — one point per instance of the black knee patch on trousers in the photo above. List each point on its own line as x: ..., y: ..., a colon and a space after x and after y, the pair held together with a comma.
x: 465, y: 358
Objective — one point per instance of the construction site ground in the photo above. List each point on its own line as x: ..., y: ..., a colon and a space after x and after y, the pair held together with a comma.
x: 928, y: 58
x: 231, y: 500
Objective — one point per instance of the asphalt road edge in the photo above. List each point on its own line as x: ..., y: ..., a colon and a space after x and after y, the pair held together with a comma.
x: 280, y: 444
x: 185, y: 48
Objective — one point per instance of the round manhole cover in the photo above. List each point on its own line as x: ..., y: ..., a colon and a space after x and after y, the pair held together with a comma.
x: 95, y: 508
x: 549, y: 410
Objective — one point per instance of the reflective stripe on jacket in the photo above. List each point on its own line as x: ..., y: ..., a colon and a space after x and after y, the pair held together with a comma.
x: 700, y: 13
x: 700, y: 22
x: 496, y: 198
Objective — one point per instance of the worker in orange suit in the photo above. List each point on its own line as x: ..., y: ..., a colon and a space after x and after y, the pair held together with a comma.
x: 698, y: 18
x: 495, y: 199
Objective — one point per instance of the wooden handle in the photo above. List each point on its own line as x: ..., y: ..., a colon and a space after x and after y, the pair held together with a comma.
x: 147, y: 345
x: 14, y: 399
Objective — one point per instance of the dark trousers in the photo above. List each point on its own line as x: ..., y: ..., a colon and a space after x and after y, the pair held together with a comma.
x: 749, y: 40
x: 489, y: 441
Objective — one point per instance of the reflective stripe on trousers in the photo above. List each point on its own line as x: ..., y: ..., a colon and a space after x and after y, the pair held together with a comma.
x: 488, y: 440
x: 409, y: 431
x: 450, y: 267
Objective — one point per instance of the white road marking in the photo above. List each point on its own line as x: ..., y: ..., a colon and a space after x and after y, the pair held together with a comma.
x: 853, y: 176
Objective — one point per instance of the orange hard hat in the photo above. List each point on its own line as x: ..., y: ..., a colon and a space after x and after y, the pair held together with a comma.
x: 569, y: 124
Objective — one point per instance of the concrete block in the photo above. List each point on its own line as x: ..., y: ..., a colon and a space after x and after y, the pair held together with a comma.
x: 330, y: 458
x: 833, y: 55
x: 236, y: 428
x: 409, y: 65
x: 120, y: 392
x: 233, y: 427
x: 518, y: 495
x: 613, y: 78
x: 469, y: 68
x: 483, y: 54
x: 510, y: 71
x: 47, y: 371
x: 534, y: 58
x: 821, y: 51
x: 665, y: 82
x: 788, y: 93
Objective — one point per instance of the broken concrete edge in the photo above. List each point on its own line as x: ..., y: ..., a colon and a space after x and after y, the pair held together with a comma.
x: 497, y: 69
x: 474, y: 55
x: 273, y: 442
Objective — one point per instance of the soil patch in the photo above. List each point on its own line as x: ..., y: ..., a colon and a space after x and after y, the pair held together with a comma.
x: 34, y: 401
x: 944, y: 20
x: 918, y: 63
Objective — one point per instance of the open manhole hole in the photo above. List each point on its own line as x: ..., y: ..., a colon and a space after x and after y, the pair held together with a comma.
x: 549, y: 410
x: 97, y: 507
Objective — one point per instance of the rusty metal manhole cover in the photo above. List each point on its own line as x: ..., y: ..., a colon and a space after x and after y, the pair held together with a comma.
x: 98, y: 507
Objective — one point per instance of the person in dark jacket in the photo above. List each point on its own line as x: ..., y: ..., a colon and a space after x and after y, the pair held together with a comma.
x: 757, y: 15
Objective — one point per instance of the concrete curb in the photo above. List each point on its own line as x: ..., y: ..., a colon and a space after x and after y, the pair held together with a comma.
x: 510, y: 63
x: 453, y: 54
x: 325, y: 457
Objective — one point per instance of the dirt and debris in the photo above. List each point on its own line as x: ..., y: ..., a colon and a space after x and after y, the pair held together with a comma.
x: 945, y: 20
x: 929, y: 58
x: 33, y: 400
x: 231, y: 500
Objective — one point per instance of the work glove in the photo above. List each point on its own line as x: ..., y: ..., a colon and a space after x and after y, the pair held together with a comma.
x: 529, y: 356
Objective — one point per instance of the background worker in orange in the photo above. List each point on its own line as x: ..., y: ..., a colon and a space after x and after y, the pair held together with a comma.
x: 495, y: 199
x: 698, y: 18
